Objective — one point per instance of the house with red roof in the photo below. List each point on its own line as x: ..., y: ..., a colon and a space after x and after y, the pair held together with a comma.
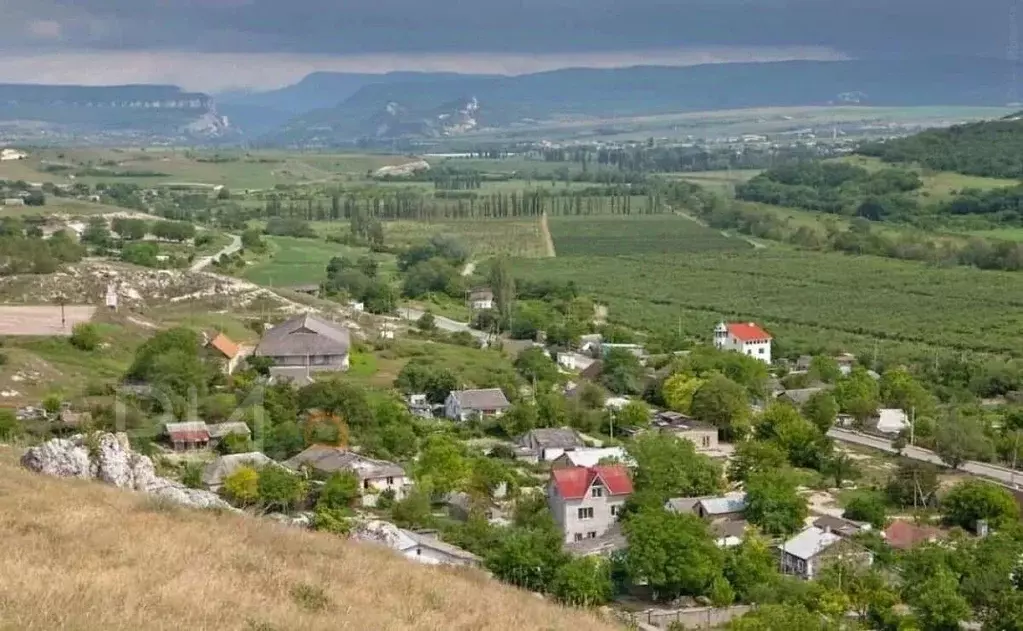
x: 744, y: 337
x: 587, y: 501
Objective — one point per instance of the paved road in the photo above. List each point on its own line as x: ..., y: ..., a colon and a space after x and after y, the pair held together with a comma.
x: 981, y: 469
x: 204, y: 262
x: 442, y: 323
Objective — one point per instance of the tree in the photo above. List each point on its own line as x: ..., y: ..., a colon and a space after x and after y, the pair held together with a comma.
x: 804, y: 445
x: 678, y: 390
x: 427, y: 323
x: 858, y: 395
x: 937, y: 603
x: 958, y: 438
x: 972, y: 500
x: 235, y: 444
x: 528, y: 558
x: 724, y: 403
x: 632, y: 414
x: 821, y: 409
x: 898, y: 389
x: 340, y: 491
x: 583, y: 582
x: 622, y: 372
x: 750, y: 567
x: 413, y: 511
x: 260, y: 363
x: 419, y: 376
x: 913, y: 484
x: 502, y: 283
x: 279, y: 489
x: 787, y: 617
x: 674, y: 554
x: 97, y: 233
x: 242, y: 486
x: 868, y: 507
x: 773, y: 504
x: 755, y: 456
x: 442, y: 466
x: 824, y: 368
x: 85, y: 336
x: 668, y: 466
x: 841, y: 467
x: 536, y: 366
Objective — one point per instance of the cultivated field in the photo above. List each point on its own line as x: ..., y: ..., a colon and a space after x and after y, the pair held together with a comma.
x: 42, y: 319
x: 295, y: 261
x: 487, y: 237
x: 619, y: 235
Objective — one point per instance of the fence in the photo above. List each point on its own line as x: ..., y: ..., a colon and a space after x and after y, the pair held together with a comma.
x: 690, y: 618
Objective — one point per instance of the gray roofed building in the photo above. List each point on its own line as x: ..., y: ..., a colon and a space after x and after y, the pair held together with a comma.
x: 799, y: 396
x: 220, y: 430
x: 216, y: 472
x: 840, y: 525
x: 462, y: 405
x: 549, y: 443
x: 442, y: 553
x: 307, y: 341
x: 711, y: 507
x: 807, y: 553
x: 375, y: 476
x: 682, y: 505
x: 809, y: 543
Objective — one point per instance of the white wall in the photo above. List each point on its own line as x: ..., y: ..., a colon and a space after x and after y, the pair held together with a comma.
x: 566, y: 514
x: 399, y: 484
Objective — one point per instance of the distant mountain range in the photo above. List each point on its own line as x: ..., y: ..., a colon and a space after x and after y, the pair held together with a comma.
x: 328, y: 109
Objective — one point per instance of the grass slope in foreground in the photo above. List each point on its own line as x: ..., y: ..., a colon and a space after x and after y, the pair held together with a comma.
x: 617, y: 235
x: 81, y: 556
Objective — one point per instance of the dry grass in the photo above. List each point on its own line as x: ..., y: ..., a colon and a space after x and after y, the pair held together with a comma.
x: 78, y: 555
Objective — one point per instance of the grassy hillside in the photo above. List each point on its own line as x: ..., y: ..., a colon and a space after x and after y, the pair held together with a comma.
x: 81, y: 556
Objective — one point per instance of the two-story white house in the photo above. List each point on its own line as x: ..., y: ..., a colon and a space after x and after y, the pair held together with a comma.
x: 587, y: 501
x: 744, y: 337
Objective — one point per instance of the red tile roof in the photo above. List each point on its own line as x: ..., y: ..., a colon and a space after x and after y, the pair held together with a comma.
x: 573, y: 482
x: 189, y: 436
x: 224, y: 344
x: 747, y: 332
x: 903, y: 535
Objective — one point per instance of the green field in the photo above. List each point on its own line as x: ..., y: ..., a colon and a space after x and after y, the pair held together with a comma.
x: 622, y: 235
x: 939, y: 186
x: 721, y: 182
x: 808, y: 299
x: 485, y: 237
x: 295, y: 261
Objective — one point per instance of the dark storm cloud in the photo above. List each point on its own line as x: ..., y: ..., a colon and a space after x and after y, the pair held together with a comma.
x: 855, y: 27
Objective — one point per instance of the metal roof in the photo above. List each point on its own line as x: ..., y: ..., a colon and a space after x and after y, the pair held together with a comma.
x: 487, y: 399
x: 810, y: 543
x: 305, y: 335
x: 725, y: 504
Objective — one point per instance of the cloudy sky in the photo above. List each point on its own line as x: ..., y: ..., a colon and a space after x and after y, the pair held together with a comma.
x: 219, y: 44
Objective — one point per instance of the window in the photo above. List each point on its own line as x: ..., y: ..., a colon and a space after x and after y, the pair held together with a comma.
x: 761, y: 350
x: 365, y: 484
x: 591, y: 534
x: 586, y: 513
x: 615, y: 510
x: 419, y: 552
x: 390, y: 481
x: 578, y: 536
x: 597, y: 491
x: 706, y: 441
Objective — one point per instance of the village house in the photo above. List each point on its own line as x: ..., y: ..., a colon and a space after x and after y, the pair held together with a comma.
x: 744, y: 337
x: 798, y: 397
x: 730, y: 506
x: 841, y: 526
x: 375, y: 476
x: 890, y: 421
x: 481, y: 299
x: 306, y: 343
x: 549, y: 443
x: 220, y: 431
x: 462, y: 405
x: 426, y: 548
x: 591, y: 457
x: 845, y: 362
x: 214, y: 474
x: 419, y: 406
x: 703, y: 435
x: 813, y: 549
x: 224, y: 349
x: 188, y: 436
x: 587, y: 501
x: 570, y: 360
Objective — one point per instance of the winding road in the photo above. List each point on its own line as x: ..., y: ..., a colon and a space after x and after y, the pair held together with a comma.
x: 204, y: 262
x: 442, y: 323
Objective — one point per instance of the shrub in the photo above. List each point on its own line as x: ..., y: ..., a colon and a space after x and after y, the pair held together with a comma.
x: 85, y: 337
x: 192, y: 475
x: 242, y: 486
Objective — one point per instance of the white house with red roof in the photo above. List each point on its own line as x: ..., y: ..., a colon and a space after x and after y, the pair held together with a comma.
x: 744, y: 337
x: 587, y: 501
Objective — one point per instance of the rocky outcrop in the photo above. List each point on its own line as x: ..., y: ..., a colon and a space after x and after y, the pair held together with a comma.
x: 110, y: 459
x: 402, y: 170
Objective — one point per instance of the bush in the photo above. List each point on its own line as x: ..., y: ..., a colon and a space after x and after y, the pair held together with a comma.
x: 340, y: 491
x: 85, y: 336
x: 192, y: 475
x: 242, y: 486
x: 867, y: 507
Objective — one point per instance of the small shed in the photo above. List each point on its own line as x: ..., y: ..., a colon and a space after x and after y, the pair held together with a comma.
x: 188, y: 436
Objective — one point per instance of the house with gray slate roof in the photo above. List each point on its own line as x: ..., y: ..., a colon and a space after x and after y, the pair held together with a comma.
x: 462, y: 405
x: 305, y: 344
x: 549, y: 443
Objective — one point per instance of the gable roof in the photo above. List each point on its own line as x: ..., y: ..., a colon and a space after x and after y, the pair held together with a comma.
x: 486, y: 399
x: 810, y: 543
x: 840, y: 525
x: 591, y: 456
x: 427, y: 540
x: 552, y: 438
x: 191, y: 431
x: 681, y: 505
x: 305, y: 335
x: 800, y: 396
x: 224, y: 344
x: 724, y: 504
x: 216, y: 471
x: 220, y: 430
x: 747, y: 332
x: 329, y: 459
x: 573, y: 482
x: 593, y: 371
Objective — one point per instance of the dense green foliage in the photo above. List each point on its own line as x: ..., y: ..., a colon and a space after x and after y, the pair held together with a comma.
x: 621, y: 235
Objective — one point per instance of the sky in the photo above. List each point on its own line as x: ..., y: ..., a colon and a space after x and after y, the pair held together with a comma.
x: 216, y: 45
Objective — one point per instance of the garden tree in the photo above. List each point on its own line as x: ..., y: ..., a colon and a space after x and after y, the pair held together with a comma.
x: 341, y: 490
x: 170, y: 361
x: 622, y: 372
x: 958, y: 438
x: 252, y: 239
x: 242, y: 486
x: 870, y: 593
x: 520, y: 418
x: 840, y: 466
x: 427, y: 323
x: 336, y: 397
x: 707, y: 361
x: 898, y: 389
x: 723, y: 403
x: 442, y: 466
x: 502, y: 284
x: 937, y: 603
x: 259, y: 363
x: 486, y: 476
x: 755, y: 456
x: 433, y: 276
x: 528, y: 558
x: 235, y: 444
x: 632, y: 414
x: 773, y: 504
x: 973, y: 500
x: 804, y: 445
x: 782, y: 617
x: 420, y: 376
x: 552, y: 410
x: 678, y: 390
x: 867, y: 506
x: 413, y: 511
x: 673, y: 554
x: 130, y: 229
x: 824, y: 368
x: 821, y: 409
x: 721, y: 593
x: 591, y: 396
x: 668, y: 466
x: 283, y: 440
x: 279, y: 489
x: 583, y: 582
x: 913, y: 484
x: 858, y: 395
x: 218, y: 407
x: 85, y: 336
x: 536, y: 366
x: 96, y: 233
x: 750, y: 567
